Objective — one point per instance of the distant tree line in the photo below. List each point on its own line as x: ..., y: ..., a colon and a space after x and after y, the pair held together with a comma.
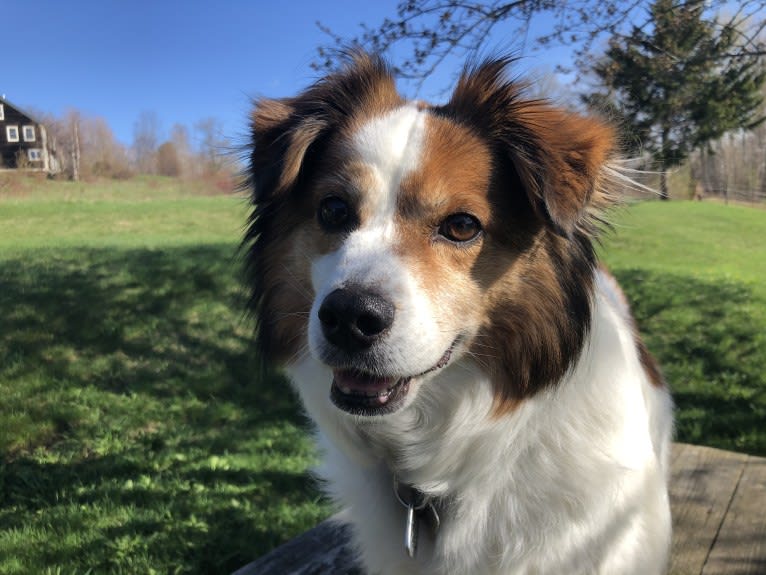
x: 731, y: 167
x: 86, y: 147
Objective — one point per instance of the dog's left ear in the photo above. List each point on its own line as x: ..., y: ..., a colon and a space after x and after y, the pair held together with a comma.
x: 560, y: 160
x: 557, y: 155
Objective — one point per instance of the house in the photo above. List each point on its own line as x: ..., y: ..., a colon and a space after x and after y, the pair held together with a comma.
x: 23, y: 141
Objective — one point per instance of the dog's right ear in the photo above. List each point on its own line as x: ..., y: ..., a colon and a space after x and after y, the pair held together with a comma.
x: 284, y: 131
x: 281, y: 139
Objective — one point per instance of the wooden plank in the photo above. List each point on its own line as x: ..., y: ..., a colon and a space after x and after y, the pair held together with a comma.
x: 319, y: 551
x: 676, y: 452
x: 702, y: 486
x: 740, y: 548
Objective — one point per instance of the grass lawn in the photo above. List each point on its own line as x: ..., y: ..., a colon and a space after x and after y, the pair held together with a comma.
x: 695, y: 274
x: 138, y: 435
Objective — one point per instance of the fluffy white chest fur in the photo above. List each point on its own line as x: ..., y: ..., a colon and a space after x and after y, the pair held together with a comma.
x: 426, y: 275
x: 573, y: 481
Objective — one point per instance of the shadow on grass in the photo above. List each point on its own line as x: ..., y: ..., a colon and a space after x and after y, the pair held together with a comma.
x: 134, y: 322
x: 140, y: 304
x: 136, y: 413
x: 710, y: 339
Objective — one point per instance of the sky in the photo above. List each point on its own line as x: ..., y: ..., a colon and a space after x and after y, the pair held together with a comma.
x: 180, y: 60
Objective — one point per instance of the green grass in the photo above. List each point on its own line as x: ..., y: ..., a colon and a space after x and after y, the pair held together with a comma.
x: 154, y: 212
x: 695, y: 274
x: 703, y: 240
x: 138, y: 435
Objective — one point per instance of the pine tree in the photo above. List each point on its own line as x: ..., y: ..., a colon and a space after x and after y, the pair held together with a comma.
x: 676, y: 87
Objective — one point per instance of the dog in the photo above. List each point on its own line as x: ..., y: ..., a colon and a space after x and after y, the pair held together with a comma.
x: 426, y: 276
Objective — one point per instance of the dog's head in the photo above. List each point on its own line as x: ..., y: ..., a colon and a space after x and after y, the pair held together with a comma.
x: 392, y: 238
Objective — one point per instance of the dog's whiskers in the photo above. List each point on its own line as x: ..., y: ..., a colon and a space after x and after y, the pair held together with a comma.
x: 300, y: 354
x: 297, y: 283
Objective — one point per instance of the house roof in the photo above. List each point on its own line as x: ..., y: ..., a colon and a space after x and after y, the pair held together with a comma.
x: 4, y: 100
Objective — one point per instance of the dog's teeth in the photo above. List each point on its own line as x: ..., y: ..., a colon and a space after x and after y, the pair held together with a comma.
x: 346, y: 390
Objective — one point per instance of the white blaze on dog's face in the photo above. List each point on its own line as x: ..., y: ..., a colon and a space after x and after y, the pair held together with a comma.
x: 392, y: 292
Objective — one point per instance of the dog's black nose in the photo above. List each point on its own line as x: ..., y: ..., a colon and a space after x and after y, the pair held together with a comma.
x: 353, y: 319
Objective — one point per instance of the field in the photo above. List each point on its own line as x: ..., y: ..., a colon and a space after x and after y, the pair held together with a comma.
x: 695, y: 274
x: 138, y: 433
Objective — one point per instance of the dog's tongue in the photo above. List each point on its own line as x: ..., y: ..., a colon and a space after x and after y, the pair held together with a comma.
x: 362, y: 382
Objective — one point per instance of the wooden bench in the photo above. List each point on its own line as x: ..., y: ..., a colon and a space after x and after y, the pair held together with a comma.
x: 719, y: 517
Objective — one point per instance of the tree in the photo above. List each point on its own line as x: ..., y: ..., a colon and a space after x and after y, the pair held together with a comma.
x: 212, y: 144
x: 64, y: 138
x: 102, y: 154
x: 179, y: 136
x: 145, y: 137
x: 86, y: 146
x: 73, y: 123
x: 167, y: 160
x: 674, y: 86
x: 432, y: 31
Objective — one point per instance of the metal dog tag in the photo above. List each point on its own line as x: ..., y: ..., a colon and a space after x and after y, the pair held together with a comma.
x: 432, y: 516
x: 418, y: 506
x: 411, y: 531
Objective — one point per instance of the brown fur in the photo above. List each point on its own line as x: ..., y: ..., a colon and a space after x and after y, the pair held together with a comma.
x: 453, y: 177
x: 537, y: 264
x: 649, y: 364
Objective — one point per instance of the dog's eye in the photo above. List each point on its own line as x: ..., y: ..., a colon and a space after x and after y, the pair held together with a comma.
x: 460, y: 228
x: 334, y: 214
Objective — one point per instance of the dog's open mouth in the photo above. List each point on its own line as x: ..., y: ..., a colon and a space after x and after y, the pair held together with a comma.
x: 362, y: 393
x: 366, y: 394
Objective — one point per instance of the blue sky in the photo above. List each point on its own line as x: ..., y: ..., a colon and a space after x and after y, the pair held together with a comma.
x: 182, y: 60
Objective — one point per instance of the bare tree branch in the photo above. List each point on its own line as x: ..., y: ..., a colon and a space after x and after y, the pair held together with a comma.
x: 433, y: 30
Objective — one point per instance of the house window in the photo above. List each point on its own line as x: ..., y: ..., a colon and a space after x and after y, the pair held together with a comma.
x: 34, y: 155
x: 2, y: 112
x: 29, y: 133
x: 12, y: 133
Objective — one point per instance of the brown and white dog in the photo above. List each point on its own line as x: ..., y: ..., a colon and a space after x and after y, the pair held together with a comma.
x: 427, y: 277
